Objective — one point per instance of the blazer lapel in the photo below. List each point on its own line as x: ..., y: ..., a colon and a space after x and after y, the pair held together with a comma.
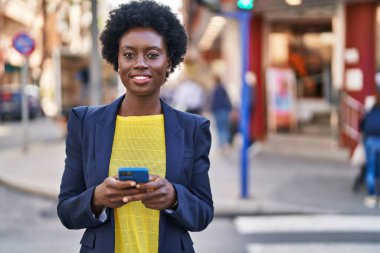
x: 105, y: 130
x: 174, y: 141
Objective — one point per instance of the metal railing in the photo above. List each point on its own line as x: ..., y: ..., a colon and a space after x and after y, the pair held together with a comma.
x: 351, y: 112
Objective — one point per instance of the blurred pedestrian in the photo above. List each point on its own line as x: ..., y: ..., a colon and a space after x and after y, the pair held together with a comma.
x: 370, y: 127
x: 221, y: 108
x: 144, y: 41
x: 189, y: 97
x: 251, y: 79
x: 234, y: 124
x: 82, y: 76
x: 358, y: 158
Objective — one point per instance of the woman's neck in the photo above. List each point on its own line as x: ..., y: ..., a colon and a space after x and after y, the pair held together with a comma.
x: 139, y: 107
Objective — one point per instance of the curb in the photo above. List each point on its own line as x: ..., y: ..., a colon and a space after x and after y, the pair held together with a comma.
x: 28, y: 190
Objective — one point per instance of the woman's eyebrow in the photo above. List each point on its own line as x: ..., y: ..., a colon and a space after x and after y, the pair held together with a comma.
x: 159, y: 49
x: 126, y: 47
x: 147, y: 48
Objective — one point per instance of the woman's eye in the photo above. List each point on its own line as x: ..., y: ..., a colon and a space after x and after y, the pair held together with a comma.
x: 128, y: 55
x: 153, y: 56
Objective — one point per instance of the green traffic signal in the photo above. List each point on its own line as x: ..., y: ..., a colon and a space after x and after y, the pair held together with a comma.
x: 245, y: 4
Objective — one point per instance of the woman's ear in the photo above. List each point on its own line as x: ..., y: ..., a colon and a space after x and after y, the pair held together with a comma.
x: 168, y: 69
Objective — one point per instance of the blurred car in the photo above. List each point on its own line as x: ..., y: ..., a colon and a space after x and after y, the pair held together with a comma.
x: 10, y: 101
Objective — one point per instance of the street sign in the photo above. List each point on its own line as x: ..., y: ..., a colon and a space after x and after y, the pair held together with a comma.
x: 23, y: 43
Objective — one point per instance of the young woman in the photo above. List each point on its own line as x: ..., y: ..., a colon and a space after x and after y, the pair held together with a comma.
x: 144, y: 41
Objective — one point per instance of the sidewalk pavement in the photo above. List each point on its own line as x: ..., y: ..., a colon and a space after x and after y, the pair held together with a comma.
x: 289, y: 174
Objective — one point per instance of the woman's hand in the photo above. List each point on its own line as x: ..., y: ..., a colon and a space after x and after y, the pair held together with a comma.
x: 157, y: 194
x: 110, y: 193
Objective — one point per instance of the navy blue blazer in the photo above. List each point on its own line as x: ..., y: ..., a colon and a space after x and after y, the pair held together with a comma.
x: 88, y: 151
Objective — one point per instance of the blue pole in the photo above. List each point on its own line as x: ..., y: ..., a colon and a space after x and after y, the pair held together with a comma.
x: 244, y: 17
x: 245, y: 113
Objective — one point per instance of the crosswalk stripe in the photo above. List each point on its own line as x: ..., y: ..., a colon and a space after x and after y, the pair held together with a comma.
x: 313, y: 223
x: 312, y: 247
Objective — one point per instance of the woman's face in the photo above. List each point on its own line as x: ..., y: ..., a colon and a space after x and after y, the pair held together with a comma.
x: 143, y: 62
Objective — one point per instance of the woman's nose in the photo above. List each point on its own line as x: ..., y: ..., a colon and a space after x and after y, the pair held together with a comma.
x: 140, y: 62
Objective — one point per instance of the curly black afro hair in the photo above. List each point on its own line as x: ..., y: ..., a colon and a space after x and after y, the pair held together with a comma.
x: 145, y: 13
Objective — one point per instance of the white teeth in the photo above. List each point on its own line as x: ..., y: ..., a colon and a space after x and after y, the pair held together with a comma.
x: 140, y: 77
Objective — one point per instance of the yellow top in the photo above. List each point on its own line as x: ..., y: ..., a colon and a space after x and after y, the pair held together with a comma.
x: 139, y: 141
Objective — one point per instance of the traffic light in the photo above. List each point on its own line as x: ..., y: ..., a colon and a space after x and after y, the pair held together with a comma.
x: 245, y: 4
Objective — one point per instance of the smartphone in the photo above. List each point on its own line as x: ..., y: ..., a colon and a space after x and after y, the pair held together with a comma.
x: 139, y: 175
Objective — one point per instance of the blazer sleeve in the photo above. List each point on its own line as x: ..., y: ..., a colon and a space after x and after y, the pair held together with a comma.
x: 195, y: 206
x: 74, y: 200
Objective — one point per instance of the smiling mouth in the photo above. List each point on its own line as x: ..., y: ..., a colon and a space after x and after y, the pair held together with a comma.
x: 141, y: 80
x: 141, y: 77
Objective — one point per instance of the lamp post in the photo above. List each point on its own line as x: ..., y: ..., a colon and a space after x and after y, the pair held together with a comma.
x: 95, y: 64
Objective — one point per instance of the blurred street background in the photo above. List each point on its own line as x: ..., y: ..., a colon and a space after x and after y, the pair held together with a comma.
x: 297, y: 74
